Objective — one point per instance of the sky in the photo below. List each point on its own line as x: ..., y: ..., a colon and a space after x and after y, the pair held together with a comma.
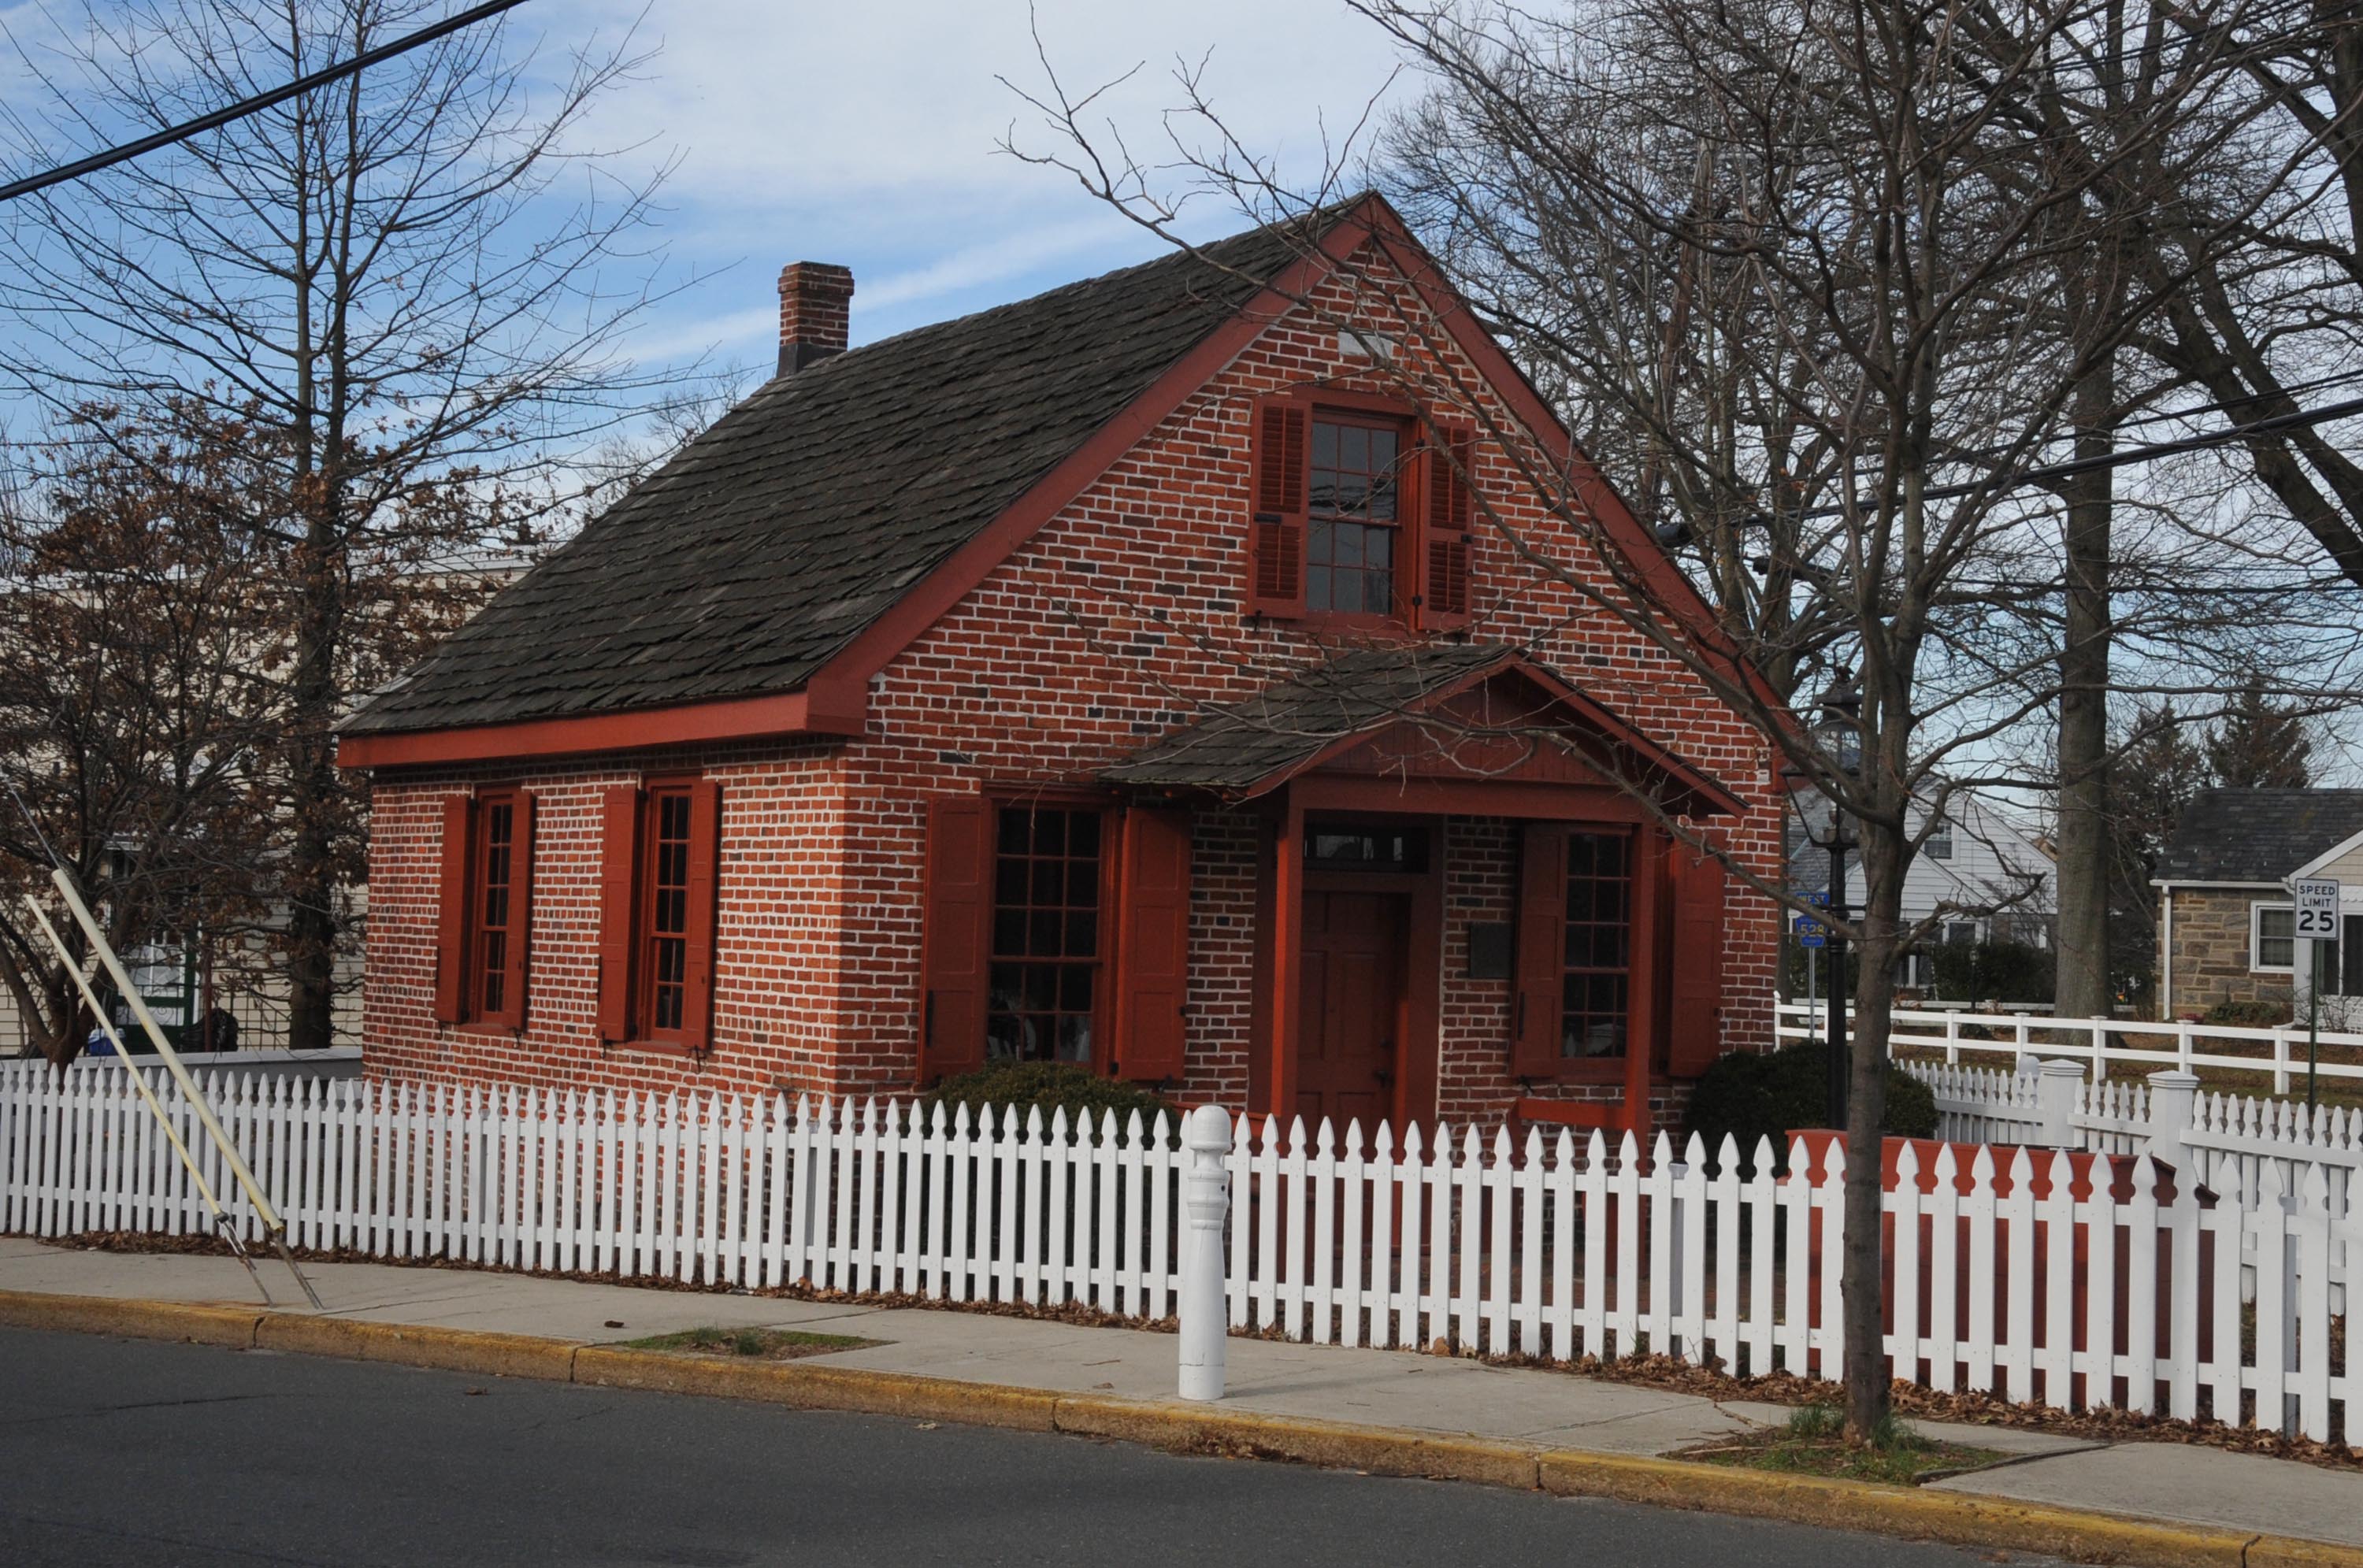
x: 865, y: 134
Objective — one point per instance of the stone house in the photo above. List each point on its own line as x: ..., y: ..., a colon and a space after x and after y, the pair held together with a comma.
x: 2227, y: 925
x: 1061, y: 682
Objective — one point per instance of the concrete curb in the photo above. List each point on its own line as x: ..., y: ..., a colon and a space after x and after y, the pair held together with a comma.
x: 1954, y: 1518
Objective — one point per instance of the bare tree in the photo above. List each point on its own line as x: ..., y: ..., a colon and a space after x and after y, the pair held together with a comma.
x: 1799, y: 268
x: 409, y: 286
x: 136, y: 689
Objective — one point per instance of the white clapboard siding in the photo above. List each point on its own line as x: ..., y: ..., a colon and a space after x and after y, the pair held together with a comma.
x: 2075, y: 1278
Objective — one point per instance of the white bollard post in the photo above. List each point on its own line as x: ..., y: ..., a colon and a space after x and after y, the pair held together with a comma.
x: 1206, y: 1198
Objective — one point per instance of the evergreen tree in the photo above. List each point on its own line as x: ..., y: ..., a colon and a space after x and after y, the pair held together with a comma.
x: 2260, y: 743
x: 2160, y: 765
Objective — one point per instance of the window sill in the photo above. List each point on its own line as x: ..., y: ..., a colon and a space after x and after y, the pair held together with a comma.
x: 1339, y: 621
x: 480, y: 1030
x: 655, y: 1048
x: 1588, y: 1070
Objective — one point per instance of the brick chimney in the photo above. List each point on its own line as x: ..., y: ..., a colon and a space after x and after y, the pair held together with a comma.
x: 815, y: 312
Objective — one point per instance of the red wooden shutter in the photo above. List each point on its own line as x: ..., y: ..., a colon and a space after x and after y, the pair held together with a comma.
x: 1276, y: 528
x: 619, y: 857
x: 520, y: 910
x: 1444, y: 553
x: 1695, y: 1020
x: 1540, y: 985
x: 1152, y: 944
x: 955, y: 942
x: 451, y: 895
x: 697, y: 967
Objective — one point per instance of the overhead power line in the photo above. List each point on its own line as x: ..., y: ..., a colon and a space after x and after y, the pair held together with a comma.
x: 255, y: 105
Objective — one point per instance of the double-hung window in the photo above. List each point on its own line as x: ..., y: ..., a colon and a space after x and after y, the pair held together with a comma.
x: 1055, y: 931
x: 660, y: 855
x: 486, y: 909
x: 1351, y: 552
x: 2272, y: 937
x: 1596, y: 991
x: 1360, y: 513
x: 664, y: 913
x: 1044, y: 994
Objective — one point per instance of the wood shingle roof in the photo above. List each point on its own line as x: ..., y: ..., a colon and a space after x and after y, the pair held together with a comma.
x: 775, y: 537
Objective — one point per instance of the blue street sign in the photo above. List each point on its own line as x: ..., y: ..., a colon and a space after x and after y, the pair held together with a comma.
x: 1810, y: 931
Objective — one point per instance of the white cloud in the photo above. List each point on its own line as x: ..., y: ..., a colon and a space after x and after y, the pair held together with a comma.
x: 867, y: 135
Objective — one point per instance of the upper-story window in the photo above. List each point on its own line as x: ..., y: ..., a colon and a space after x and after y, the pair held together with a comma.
x: 1360, y: 512
x: 1353, y: 493
x: 1938, y: 844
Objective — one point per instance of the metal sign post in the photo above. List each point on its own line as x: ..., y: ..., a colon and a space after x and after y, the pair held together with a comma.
x: 2317, y: 922
x: 1812, y: 936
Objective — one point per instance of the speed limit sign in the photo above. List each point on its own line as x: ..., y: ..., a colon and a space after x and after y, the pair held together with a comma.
x: 2317, y: 908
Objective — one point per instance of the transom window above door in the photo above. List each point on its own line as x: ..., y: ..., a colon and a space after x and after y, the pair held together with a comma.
x: 1354, y: 490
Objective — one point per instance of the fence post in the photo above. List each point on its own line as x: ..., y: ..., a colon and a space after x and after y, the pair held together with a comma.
x: 2099, y: 1048
x: 2173, y: 1103
x: 1206, y: 1194
x: 2055, y: 1101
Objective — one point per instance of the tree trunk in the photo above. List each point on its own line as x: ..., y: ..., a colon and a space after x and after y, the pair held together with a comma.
x: 2081, y: 987
x: 1863, y: 1280
x: 314, y: 794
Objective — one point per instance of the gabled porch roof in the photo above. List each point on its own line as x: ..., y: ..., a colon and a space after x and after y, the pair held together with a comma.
x: 1244, y: 749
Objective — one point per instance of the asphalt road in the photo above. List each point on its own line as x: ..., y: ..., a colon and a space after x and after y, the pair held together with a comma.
x: 136, y: 1453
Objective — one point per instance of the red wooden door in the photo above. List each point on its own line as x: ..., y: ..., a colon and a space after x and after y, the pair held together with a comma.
x: 1352, y: 1008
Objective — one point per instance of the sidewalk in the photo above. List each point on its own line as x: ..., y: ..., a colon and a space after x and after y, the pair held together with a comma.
x: 1422, y: 1394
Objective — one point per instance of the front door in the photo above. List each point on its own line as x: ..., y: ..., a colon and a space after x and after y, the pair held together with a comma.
x: 1352, y: 1008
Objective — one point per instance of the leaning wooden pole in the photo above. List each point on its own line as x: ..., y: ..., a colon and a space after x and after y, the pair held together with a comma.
x: 222, y: 1221
x: 272, y: 1225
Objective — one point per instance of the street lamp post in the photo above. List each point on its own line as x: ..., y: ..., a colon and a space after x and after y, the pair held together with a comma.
x: 1840, y: 731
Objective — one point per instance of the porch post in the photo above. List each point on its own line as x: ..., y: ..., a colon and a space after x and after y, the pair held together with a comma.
x: 1286, y: 937
x: 1652, y: 938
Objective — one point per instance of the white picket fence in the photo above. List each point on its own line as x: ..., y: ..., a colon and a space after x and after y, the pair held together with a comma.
x: 2277, y: 1057
x: 2225, y: 1142
x: 2022, y: 1274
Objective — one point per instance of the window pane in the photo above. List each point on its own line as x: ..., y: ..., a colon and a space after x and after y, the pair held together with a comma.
x: 1599, y: 946
x: 667, y: 949
x: 1045, y: 912
x: 2275, y: 937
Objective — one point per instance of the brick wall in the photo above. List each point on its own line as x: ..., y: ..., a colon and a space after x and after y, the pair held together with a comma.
x: 1098, y: 634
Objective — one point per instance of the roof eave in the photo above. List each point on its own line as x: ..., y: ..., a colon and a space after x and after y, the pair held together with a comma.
x: 823, y: 707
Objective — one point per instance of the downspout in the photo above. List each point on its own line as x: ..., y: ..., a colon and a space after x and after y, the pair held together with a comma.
x: 2165, y: 955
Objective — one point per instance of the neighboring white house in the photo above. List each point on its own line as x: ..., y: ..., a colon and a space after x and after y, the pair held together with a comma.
x: 1981, y: 864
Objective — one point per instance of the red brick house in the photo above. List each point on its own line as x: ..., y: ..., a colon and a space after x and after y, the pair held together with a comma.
x: 1066, y: 682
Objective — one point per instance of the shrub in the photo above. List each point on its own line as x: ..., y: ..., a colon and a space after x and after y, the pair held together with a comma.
x: 2250, y: 1014
x: 1052, y: 1085
x: 1993, y: 971
x: 1752, y: 1095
